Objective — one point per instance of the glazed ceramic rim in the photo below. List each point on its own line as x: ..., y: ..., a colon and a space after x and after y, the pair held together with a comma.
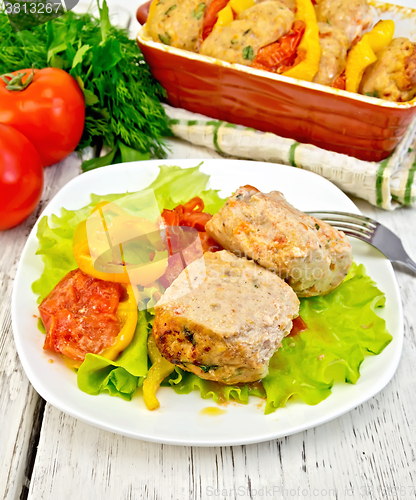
x: 144, y: 38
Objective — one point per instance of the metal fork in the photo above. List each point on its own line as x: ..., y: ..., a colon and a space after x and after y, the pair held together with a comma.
x: 370, y: 231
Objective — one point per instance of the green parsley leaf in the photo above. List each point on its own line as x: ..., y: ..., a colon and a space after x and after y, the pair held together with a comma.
x: 199, y: 11
x: 104, y: 20
x: 248, y: 53
x: 130, y: 154
x: 79, y: 56
x: 372, y: 94
x: 165, y: 38
x: 100, y: 161
x: 172, y: 7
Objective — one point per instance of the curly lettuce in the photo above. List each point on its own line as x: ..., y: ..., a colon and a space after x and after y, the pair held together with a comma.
x: 122, y: 376
x: 173, y: 185
x: 343, y: 328
x: 97, y: 374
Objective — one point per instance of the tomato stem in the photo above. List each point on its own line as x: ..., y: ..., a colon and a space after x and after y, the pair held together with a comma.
x: 15, y: 82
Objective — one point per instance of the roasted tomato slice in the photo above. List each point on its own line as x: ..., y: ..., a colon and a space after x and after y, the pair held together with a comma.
x: 80, y: 315
x: 298, y: 326
x: 340, y: 83
x: 281, y: 55
x: 189, y: 214
x: 211, y: 16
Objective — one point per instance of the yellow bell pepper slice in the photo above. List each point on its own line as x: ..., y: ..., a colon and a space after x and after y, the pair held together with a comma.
x: 122, y: 226
x: 365, y: 51
x: 152, y: 10
x: 225, y: 17
x: 381, y: 35
x: 307, y: 69
x: 160, y: 369
x: 239, y: 6
x: 127, y: 315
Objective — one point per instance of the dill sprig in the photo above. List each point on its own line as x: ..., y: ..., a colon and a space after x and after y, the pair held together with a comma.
x: 123, y: 110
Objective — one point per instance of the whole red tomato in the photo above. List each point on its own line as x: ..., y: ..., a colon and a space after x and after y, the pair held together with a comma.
x: 50, y: 112
x: 21, y: 177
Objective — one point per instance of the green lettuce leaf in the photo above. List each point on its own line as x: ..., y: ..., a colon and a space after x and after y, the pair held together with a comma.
x: 120, y: 377
x: 342, y: 328
x: 174, y: 185
x: 98, y: 374
x: 186, y: 382
x: 55, y: 244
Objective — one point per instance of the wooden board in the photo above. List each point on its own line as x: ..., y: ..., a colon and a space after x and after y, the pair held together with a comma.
x: 371, y: 449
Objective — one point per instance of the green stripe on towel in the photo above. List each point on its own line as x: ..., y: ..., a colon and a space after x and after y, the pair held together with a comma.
x: 409, y: 184
x: 292, y: 151
x: 379, y: 181
x: 216, y: 125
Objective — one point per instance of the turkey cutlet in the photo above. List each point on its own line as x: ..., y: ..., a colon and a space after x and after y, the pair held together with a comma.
x: 228, y: 328
x: 309, y: 254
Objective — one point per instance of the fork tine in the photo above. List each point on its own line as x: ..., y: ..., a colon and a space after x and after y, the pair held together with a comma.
x: 348, y: 224
x: 370, y: 231
x: 358, y: 232
x: 354, y: 225
x: 345, y: 217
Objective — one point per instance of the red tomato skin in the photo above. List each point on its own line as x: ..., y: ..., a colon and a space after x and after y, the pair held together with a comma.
x: 50, y: 112
x: 21, y: 177
x: 211, y: 16
x: 79, y: 315
x: 298, y: 326
x: 340, y: 82
x: 189, y: 214
x: 281, y: 55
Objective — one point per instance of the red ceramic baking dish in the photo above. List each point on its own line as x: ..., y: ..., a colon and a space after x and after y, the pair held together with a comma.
x: 364, y: 127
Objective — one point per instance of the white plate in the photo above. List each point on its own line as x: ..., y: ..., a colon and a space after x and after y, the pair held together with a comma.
x: 179, y: 419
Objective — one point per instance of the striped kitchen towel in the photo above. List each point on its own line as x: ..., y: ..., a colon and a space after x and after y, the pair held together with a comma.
x: 387, y: 184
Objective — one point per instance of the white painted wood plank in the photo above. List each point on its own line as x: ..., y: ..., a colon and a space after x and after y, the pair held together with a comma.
x: 19, y: 403
x: 369, y: 449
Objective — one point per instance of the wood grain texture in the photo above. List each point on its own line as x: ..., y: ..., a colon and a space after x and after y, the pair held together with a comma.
x: 364, y: 454
x: 20, y: 405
